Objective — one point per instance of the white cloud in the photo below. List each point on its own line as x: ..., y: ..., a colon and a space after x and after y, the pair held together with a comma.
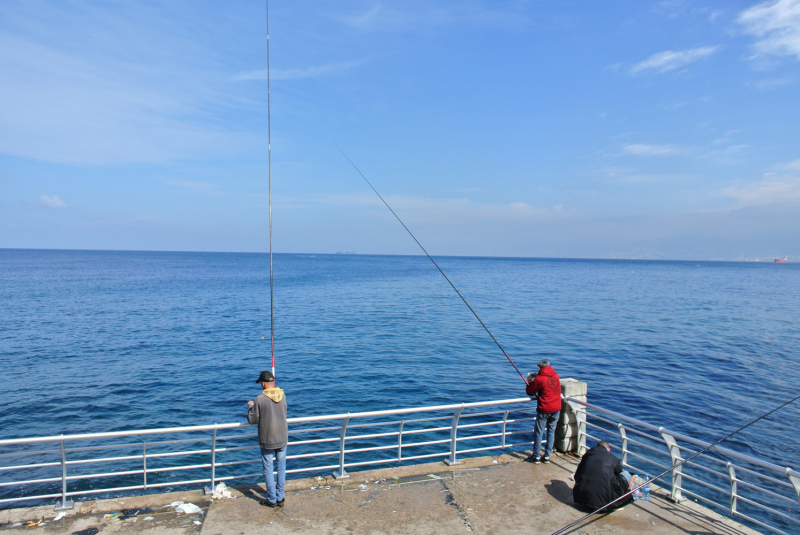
x: 777, y: 26
x: 405, y: 17
x: 669, y: 60
x: 297, y: 73
x: 791, y: 166
x: 641, y: 149
x: 51, y: 201
x: 767, y: 191
x: 193, y: 184
x: 450, y: 210
x: 105, y: 84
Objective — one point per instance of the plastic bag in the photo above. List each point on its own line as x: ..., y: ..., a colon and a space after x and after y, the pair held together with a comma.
x: 188, y: 508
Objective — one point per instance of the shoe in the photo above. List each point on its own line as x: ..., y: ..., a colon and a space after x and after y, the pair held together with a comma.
x: 546, y: 460
x: 267, y: 503
x: 280, y: 503
x: 537, y: 461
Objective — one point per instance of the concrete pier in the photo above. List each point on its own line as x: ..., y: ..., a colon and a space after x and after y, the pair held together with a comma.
x: 487, y: 495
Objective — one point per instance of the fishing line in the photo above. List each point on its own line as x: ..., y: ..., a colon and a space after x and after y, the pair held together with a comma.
x: 434, y: 262
x: 684, y: 461
x: 269, y: 174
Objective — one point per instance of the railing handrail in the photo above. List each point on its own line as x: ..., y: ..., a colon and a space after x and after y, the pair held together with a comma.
x: 680, y: 436
x: 305, y: 419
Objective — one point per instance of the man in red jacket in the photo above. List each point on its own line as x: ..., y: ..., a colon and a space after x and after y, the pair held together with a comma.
x: 546, y: 387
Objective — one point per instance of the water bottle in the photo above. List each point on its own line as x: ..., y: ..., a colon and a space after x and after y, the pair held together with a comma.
x: 646, y: 489
x: 636, y: 488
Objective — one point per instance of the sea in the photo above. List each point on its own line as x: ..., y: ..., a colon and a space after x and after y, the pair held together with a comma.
x: 94, y: 341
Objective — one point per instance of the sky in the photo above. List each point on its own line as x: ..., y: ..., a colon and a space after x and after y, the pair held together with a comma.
x: 631, y: 129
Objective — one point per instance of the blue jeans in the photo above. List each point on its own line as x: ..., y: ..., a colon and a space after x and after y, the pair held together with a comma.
x: 549, y: 420
x: 267, y: 457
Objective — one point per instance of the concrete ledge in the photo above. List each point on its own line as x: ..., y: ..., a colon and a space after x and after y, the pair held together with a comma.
x: 492, y: 495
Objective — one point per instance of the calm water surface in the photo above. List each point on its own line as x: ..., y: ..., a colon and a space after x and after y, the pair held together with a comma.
x: 98, y: 341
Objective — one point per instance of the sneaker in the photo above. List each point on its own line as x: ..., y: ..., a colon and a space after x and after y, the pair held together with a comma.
x: 546, y: 460
x: 280, y: 503
x: 267, y: 503
x: 537, y: 460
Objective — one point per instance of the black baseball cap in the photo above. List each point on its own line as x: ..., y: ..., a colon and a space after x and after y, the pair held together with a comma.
x: 265, y: 377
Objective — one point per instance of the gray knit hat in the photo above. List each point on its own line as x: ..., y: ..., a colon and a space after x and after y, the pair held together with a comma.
x: 544, y: 363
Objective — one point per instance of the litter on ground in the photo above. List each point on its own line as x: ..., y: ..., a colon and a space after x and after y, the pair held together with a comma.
x: 221, y: 491
x: 188, y: 508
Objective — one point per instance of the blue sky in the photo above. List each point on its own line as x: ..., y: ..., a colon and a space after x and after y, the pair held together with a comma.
x: 662, y: 129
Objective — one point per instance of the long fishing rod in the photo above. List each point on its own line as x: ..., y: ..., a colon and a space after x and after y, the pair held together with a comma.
x: 684, y: 461
x: 269, y: 174
x: 434, y: 262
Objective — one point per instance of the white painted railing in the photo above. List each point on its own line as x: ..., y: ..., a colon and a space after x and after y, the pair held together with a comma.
x: 744, y: 476
x: 140, y: 460
x: 221, y: 447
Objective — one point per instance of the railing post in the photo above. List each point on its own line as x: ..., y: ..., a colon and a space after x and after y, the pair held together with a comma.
x: 400, y: 441
x: 505, y: 417
x: 675, y: 455
x: 454, y: 437
x: 65, y: 504
x: 144, y: 464
x: 734, y: 495
x: 624, y: 436
x: 341, y: 474
x: 210, y: 490
x: 795, y: 482
x: 580, y: 421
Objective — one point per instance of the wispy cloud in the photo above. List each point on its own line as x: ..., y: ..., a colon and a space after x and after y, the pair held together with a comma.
x: 297, y: 73
x: 51, y: 201
x: 193, y: 184
x: 776, y: 25
x: 401, y: 17
x: 766, y: 191
x: 764, y: 85
x: 641, y: 149
x: 790, y: 166
x: 107, y: 83
x: 669, y: 60
x: 451, y: 210
x: 781, y: 184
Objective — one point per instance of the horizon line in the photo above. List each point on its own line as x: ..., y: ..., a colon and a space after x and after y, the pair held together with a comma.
x: 350, y: 253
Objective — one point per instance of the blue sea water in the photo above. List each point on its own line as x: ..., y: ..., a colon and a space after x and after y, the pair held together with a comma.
x: 104, y: 340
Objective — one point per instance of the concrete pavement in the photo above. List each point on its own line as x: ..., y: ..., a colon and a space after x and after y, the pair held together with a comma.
x: 486, y: 496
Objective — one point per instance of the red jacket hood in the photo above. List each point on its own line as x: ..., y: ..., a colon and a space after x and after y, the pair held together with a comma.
x: 548, y: 371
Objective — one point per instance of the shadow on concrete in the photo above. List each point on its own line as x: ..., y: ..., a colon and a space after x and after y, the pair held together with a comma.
x: 252, y: 491
x: 562, y: 492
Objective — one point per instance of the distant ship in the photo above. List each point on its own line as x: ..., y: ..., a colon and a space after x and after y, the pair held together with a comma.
x: 781, y: 260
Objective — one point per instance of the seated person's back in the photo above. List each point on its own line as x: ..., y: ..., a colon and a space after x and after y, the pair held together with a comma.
x: 600, y: 479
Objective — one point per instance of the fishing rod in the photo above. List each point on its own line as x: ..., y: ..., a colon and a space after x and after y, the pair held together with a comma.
x: 269, y: 174
x: 684, y: 461
x: 434, y: 262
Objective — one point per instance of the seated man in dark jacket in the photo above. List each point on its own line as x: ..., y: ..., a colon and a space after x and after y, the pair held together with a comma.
x: 600, y: 479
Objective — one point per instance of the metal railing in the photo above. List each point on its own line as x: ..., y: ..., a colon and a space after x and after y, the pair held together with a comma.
x: 141, y: 460
x: 737, y: 477
x: 208, y: 450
